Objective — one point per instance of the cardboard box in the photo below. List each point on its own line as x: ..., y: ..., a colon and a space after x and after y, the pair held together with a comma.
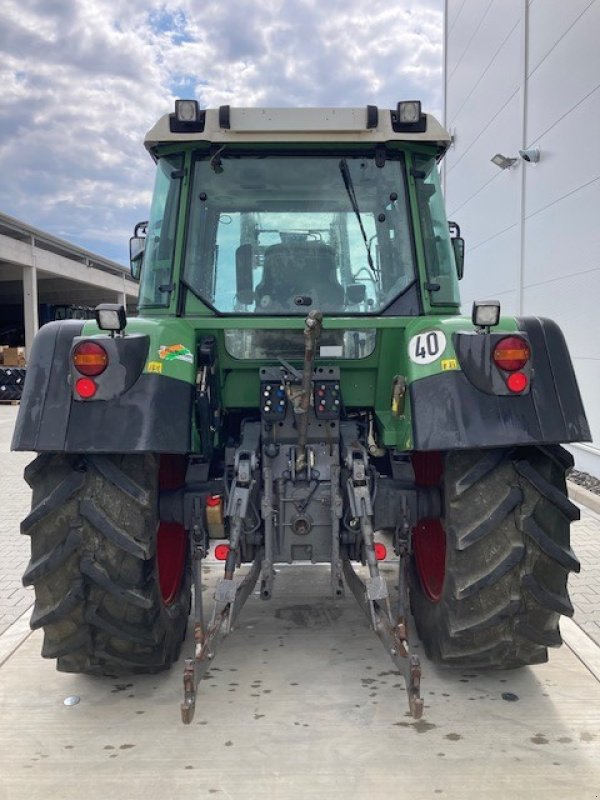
x: 13, y: 356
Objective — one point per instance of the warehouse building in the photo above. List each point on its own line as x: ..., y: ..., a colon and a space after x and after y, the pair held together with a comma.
x: 44, y: 278
x: 522, y: 178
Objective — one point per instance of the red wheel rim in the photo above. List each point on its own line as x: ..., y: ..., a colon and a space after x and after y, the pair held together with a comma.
x: 428, y: 468
x: 429, y: 536
x: 171, y: 538
x: 429, y: 547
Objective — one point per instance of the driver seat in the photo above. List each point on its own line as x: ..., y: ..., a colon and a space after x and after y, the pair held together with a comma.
x: 294, y: 269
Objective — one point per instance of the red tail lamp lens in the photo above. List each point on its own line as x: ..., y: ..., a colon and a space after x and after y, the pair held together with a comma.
x: 511, y: 353
x: 90, y: 358
x: 380, y: 551
x: 85, y: 387
x: 517, y: 382
x: 221, y: 552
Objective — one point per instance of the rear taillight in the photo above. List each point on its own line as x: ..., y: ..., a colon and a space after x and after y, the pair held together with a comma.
x: 517, y: 382
x: 90, y: 358
x: 85, y: 388
x: 380, y: 551
x: 221, y: 552
x: 511, y: 353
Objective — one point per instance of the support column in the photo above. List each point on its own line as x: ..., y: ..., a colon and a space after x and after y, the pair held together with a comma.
x: 123, y: 295
x: 524, y: 144
x: 30, y: 305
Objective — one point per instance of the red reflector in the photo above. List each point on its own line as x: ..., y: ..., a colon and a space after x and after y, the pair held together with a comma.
x: 213, y: 500
x: 380, y: 551
x: 221, y: 552
x: 85, y: 387
x: 511, y: 353
x: 517, y: 382
x: 90, y: 358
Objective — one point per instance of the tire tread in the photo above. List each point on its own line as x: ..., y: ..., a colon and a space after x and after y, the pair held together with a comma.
x: 507, y: 517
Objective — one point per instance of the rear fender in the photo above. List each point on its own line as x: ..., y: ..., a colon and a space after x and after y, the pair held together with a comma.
x: 134, y: 410
x: 462, y: 401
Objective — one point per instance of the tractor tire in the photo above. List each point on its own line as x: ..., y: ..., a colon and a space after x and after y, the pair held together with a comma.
x: 489, y: 580
x: 112, y: 582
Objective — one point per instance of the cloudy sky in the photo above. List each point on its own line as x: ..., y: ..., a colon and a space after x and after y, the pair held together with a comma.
x: 83, y: 80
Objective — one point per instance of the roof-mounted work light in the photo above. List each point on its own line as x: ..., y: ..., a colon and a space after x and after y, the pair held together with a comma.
x: 409, y: 112
x: 188, y: 117
x: 408, y: 117
x: 187, y: 111
x: 111, y: 317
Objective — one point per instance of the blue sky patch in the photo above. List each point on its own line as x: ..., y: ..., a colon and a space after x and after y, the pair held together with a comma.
x: 184, y: 86
x: 173, y: 23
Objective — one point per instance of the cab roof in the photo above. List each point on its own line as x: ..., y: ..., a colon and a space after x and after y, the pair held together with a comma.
x: 232, y: 125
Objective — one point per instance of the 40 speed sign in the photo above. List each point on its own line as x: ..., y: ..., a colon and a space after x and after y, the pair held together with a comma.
x: 426, y: 347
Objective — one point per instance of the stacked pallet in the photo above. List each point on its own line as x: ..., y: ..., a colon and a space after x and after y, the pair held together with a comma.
x: 12, y: 373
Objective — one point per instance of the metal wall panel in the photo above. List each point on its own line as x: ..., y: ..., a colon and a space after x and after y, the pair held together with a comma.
x: 491, y: 267
x: 569, y: 157
x: 484, y: 53
x: 567, y: 75
x: 551, y: 20
x: 573, y: 303
x: 519, y: 74
x: 464, y: 17
x: 477, y: 114
x: 563, y: 239
x: 470, y: 170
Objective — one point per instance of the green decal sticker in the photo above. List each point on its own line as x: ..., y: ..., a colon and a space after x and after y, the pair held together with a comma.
x: 175, y: 352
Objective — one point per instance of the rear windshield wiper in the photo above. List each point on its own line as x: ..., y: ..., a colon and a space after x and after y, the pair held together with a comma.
x: 345, y: 170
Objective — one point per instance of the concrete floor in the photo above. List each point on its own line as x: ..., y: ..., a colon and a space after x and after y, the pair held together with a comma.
x: 302, y: 702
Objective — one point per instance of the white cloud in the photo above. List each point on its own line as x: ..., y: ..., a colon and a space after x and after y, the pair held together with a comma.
x: 83, y: 81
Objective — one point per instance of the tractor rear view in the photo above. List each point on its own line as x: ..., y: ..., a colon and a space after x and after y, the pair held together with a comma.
x: 299, y: 387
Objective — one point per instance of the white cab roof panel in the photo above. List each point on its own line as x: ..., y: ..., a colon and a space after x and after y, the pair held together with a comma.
x: 327, y: 125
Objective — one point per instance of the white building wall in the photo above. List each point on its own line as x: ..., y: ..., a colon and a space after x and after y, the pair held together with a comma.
x: 524, y: 73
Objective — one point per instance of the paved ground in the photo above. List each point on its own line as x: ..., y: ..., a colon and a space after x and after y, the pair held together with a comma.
x: 14, y: 504
x: 585, y: 587
x: 302, y: 704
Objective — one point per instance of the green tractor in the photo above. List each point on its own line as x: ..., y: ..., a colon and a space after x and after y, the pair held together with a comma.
x: 299, y: 387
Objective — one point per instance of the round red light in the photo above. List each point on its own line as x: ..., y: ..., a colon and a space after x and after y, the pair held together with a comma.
x: 85, y: 387
x: 90, y: 358
x: 517, y: 382
x: 221, y: 552
x: 213, y: 500
x: 380, y: 551
x: 511, y: 353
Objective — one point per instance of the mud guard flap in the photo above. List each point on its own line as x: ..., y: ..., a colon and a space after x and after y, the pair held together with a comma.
x: 450, y: 413
x: 153, y: 415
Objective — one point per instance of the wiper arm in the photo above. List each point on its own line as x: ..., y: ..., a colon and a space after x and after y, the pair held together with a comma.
x: 215, y: 161
x: 344, y: 169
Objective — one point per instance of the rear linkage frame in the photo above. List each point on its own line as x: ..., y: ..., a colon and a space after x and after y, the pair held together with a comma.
x: 231, y: 593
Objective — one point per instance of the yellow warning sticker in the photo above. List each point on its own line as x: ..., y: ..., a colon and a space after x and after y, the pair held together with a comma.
x: 449, y: 363
x: 155, y: 366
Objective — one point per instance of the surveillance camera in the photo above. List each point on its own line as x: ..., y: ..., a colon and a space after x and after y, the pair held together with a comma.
x: 531, y: 155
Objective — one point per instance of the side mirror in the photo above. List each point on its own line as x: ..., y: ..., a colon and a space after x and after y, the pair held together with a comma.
x: 458, y: 247
x: 137, y: 245
x: 243, y: 275
x: 355, y: 293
